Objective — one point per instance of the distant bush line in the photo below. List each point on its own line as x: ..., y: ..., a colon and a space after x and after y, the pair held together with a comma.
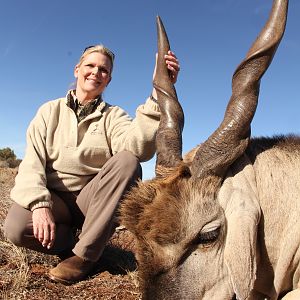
x: 8, y: 159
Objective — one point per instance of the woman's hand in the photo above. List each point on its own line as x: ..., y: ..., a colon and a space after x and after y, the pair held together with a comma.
x: 44, y: 226
x: 172, y: 65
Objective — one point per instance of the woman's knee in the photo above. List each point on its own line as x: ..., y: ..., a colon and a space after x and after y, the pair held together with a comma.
x: 16, y: 225
x: 13, y: 232
x: 128, y: 165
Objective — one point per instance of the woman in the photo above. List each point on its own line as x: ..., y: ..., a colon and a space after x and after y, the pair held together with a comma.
x: 82, y: 156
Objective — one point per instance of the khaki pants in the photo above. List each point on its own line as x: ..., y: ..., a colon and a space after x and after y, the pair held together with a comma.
x: 92, y: 210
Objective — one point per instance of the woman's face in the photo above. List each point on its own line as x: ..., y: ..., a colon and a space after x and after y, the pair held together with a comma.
x: 93, y: 75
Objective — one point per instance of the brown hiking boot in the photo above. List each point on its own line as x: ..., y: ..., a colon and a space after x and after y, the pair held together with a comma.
x: 71, y: 270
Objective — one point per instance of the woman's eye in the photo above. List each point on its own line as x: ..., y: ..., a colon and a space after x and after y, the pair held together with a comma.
x: 207, y: 237
x: 99, y: 69
x: 103, y: 70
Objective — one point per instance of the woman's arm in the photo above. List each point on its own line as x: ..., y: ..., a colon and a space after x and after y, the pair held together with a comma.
x: 30, y: 190
x: 138, y: 135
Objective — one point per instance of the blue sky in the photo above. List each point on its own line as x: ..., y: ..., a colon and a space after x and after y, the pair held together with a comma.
x: 41, y: 42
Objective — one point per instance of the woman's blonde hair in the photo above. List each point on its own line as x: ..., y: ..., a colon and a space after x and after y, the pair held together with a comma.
x: 100, y: 49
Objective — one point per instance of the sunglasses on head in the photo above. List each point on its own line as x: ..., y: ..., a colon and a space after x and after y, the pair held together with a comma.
x: 109, y: 52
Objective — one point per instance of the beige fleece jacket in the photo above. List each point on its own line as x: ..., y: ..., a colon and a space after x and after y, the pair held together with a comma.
x: 65, y: 155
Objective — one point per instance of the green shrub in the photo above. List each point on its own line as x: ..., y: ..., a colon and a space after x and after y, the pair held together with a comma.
x: 7, y: 153
x: 8, y: 158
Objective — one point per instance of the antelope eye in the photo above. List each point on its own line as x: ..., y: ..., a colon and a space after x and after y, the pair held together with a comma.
x: 207, y: 237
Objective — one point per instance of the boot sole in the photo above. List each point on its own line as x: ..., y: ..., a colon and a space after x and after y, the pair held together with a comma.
x: 60, y: 280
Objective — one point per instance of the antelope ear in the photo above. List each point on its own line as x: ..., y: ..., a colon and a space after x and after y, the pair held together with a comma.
x: 242, y: 212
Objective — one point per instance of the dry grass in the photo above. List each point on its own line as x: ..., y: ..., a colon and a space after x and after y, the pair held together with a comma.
x: 14, y: 269
x: 23, y: 273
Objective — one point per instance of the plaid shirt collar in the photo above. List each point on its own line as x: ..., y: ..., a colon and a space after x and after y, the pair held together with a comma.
x: 82, y: 111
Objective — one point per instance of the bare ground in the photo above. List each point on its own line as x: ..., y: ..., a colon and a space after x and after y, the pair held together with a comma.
x: 23, y: 273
